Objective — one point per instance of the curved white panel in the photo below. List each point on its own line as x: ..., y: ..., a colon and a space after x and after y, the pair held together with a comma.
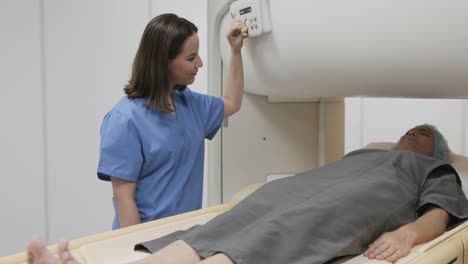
x: 381, y: 48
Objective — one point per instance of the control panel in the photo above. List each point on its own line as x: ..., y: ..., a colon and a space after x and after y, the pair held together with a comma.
x: 255, y: 14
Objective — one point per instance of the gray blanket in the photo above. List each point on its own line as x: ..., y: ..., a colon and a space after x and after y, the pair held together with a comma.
x: 332, y: 211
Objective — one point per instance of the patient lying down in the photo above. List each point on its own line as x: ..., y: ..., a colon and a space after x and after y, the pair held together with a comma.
x: 373, y: 202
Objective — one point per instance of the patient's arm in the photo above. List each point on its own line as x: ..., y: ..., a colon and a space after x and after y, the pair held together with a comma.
x: 391, y: 246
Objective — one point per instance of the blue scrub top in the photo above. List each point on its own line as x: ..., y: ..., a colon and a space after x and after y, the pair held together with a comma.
x: 162, y: 152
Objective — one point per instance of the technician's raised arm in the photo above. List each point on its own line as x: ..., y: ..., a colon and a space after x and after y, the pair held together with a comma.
x: 235, y: 79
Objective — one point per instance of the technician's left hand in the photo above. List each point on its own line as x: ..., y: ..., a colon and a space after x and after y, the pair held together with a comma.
x: 236, y: 35
x: 391, y: 246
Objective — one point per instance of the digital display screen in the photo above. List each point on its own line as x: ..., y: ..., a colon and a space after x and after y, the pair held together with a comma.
x: 245, y: 10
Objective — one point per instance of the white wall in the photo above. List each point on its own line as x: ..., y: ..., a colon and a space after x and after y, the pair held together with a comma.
x: 88, y: 53
x: 63, y: 66
x: 386, y: 119
x: 21, y: 133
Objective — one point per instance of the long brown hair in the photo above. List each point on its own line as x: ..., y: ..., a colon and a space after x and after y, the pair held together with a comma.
x: 162, y: 41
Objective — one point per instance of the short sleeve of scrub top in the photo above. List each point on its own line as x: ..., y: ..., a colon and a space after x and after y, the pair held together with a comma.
x: 120, y: 151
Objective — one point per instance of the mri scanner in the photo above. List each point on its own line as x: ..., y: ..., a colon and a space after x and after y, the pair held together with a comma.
x: 303, y: 58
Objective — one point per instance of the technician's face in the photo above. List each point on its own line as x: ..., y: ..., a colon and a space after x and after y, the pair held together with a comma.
x: 184, y: 67
x: 419, y: 139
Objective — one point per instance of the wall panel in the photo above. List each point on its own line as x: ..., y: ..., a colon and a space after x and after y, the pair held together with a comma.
x: 353, y: 123
x: 90, y: 46
x: 386, y: 119
x: 22, y: 202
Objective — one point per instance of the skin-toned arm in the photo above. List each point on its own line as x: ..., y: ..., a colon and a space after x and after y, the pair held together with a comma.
x: 235, y: 79
x: 391, y: 246
x: 124, y: 196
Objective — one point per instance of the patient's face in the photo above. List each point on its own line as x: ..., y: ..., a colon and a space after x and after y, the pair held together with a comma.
x: 419, y: 139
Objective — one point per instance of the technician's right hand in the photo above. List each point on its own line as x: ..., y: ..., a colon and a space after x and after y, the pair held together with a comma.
x: 236, y: 35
